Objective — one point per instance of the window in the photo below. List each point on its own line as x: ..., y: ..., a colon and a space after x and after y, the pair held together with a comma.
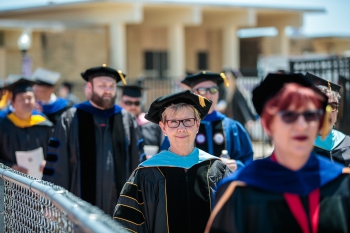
x: 202, y: 60
x: 156, y: 63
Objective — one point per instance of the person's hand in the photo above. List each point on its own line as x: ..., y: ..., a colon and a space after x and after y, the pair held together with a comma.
x: 20, y: 169
x: 42, y: 166
x: 231, y: 163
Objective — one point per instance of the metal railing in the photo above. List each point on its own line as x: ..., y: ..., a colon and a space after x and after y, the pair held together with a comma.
x: 31, y: 205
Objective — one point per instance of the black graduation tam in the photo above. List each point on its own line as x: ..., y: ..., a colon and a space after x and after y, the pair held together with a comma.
x: 158, y: 106
x: 103, y: 71
x: 273, y: 83
x: 320, y: 81
x: 194, y: 79
x: 133, y: 90
x: 18, y: 84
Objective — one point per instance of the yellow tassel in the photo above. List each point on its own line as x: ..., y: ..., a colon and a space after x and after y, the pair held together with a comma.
x: 324, y: 131
x: 223, y: 76
x: 104, y: 65
x: 4, y: 99
x: 122, y: 77
x: 201, y: 101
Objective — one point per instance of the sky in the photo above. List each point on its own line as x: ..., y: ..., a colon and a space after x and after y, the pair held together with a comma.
x: 334, y: 22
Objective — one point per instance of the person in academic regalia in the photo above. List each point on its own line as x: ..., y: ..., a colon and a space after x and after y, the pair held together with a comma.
x: 217, y: 132
x: 131, y: 101
x: 344, y: 110
x: 95, y: 143
x: 336, y: 145
x: 65, y: 92
x: 172, y: 191
x: 237, y: 105
x: 6, y: 95
x: 51, y: 105
x: 293, y: 190
x: 21, y: 129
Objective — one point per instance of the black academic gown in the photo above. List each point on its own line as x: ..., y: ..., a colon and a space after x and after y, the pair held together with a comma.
x: 152, y: 134
x: 54, y: 110
x: 17, y: 138
x: 340, y: 153
x: 241, y: 111
x: 84, y: 159
x: 271, y: 198
x: 169, y: 199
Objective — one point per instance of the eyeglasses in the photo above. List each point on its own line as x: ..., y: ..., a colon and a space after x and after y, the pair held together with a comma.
x: 334, y: 106
x: 290, y: 116
x: 204, y: 90
x: 188, y: 122
x: 129, y: 103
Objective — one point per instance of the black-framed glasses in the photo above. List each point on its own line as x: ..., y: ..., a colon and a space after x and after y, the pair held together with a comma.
x: 334, y: 106
x: 290, y: 116
x: 188, y: 122
x: 204, y: 90
x: 129, y: 103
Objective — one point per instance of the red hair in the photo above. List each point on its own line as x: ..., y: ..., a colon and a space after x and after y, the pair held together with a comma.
x: 290, y: 94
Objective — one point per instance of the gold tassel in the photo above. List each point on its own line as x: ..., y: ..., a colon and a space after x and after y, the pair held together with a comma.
x: 329, y: 85
x: 4, y: 99
x: 122, y: 77
x: 223, y: 76
x: 201, y: 101
x: 324, y: 130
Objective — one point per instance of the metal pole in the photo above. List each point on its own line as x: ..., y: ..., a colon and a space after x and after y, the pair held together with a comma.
x: 2, y: 205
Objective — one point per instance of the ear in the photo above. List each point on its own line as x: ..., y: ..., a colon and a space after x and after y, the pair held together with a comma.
x: 162, y: 126
x: 266, y: 129
x: 89, y: 85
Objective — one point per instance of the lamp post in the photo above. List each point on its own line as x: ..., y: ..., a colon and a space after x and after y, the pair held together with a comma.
x: 24, y: 42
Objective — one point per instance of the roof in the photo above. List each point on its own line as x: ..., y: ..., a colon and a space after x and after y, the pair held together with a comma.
x: 41, y: 5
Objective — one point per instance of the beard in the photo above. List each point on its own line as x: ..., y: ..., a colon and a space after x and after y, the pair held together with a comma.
x: 101, y: 102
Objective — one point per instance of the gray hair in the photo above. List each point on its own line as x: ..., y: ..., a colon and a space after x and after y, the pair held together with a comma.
x: 175, y: 108
x: 334, y: 94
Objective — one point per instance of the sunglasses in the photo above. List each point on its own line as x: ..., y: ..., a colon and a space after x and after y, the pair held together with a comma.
x: 186, y: 122
x: 334, y: 106
x: 204, y: 90
x: 129, y: 103
x: 290, y: 116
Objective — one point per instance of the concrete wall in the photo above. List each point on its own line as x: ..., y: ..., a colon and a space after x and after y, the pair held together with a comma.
x: 139, y: 39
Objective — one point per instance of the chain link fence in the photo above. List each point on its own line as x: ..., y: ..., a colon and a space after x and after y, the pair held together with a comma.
x: 31, y: 205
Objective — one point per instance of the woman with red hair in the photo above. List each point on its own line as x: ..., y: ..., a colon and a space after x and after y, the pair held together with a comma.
x: 293, y: 190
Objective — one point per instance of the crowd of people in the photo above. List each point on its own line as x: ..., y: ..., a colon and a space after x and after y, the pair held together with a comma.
x: 202, y: 177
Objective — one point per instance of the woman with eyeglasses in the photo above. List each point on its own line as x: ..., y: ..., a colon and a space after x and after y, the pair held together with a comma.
x: 218, y: 132
x: 293, y: 190
x: 172, y: 191
x: 335, y: 145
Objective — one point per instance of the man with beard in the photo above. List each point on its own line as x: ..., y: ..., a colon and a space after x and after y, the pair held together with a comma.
x: 94, y: 147
x: 131, y: 101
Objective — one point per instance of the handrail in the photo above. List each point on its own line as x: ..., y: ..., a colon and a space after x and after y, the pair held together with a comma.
x: 54, y: 202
